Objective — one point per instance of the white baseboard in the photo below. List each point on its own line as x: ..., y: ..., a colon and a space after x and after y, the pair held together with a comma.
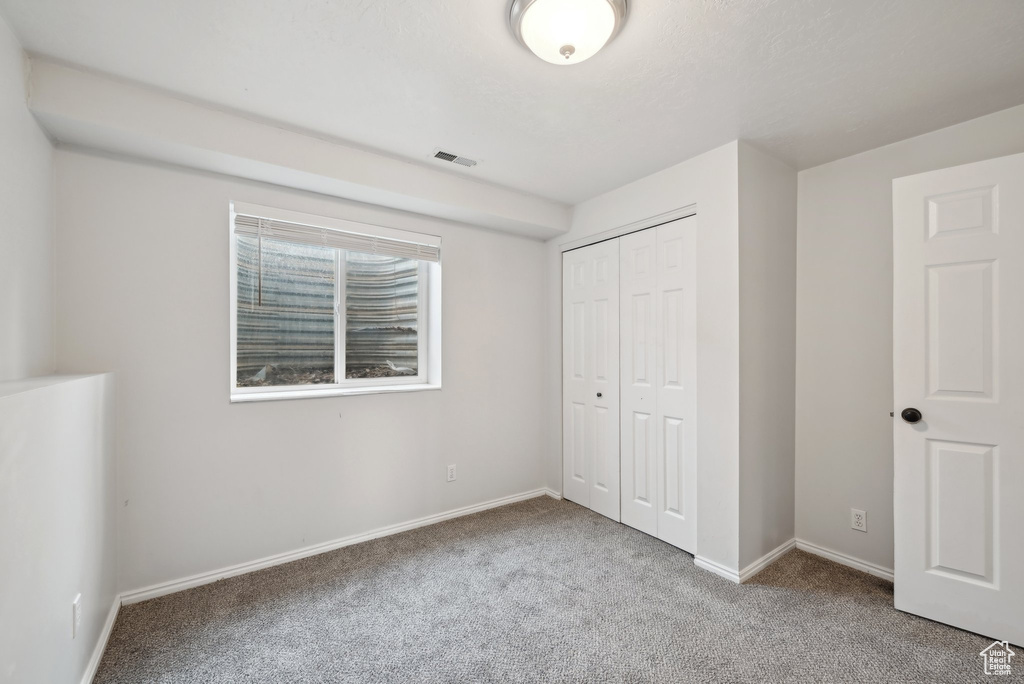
x: 769, y: 558
x: 749, y: 571
x: 553, y: 494
x: 718, y: 569
x: 164, y: 588
x: 101, y: 643
x: 766, y: 560
x: 843, y: 559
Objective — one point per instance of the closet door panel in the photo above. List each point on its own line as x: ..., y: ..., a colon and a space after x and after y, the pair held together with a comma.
x: 590, y: 377
x: 575, y: 461
x: 604, y: 373
x: 675, y: 389
x: 638, y: 445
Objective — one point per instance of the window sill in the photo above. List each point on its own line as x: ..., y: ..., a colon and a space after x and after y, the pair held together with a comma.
x: 237, y: 398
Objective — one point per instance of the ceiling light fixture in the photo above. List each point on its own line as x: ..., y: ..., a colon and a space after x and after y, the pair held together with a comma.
x: 566, y: 31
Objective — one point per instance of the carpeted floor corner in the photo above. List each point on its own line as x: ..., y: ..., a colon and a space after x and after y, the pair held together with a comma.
x: 538, y: 591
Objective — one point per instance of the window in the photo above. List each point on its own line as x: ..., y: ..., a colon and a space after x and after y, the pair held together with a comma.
x: 325, y: 306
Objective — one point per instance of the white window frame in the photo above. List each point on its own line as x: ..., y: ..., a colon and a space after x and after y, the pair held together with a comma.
x: 428, y: 375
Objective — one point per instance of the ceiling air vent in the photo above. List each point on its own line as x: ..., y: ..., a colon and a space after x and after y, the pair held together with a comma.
x: 454, y: 158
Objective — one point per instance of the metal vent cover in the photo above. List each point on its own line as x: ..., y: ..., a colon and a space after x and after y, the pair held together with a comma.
x: 454, y: 158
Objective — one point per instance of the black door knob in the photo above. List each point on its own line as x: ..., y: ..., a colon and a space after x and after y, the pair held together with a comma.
x: 598, y: 395
x: 911, y: 415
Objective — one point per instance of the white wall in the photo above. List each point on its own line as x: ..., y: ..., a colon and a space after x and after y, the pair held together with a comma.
x: 204, y: 484
x: 767, y: 270
x: 58, y: 535
x: 710, y: 182
x: 57, y: 524
x: 844, y: 328
x: 99, y: 112
x: 26, y: 232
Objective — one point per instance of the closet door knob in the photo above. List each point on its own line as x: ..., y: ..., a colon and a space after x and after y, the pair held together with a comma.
x: 911, y: 415
x: 598, y: 395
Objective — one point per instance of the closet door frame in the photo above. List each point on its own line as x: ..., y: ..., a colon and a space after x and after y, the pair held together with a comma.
x: 614, y: 233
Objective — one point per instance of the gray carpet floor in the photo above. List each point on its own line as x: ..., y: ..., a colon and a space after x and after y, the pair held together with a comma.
x: 538, y: 591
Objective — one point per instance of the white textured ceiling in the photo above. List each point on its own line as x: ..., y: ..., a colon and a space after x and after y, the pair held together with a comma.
x: 806, y: 80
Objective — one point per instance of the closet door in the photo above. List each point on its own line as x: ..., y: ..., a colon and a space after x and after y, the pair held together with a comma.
x: 675, y: 381
x: 638, y: 445
x: 590, y: 377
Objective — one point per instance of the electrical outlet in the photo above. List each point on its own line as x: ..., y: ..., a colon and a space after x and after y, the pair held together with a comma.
x: 76, y: 615
x: 451, y: 473
x: 858, y: 520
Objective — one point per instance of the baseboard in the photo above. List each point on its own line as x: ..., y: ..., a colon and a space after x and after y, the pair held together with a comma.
x: 843, y: 559
x: 717, y: 568
x: 553, y: 494
x: 749, y: 571
x: 200, y: 579
x: 766, y: 560
x: 101, y: 643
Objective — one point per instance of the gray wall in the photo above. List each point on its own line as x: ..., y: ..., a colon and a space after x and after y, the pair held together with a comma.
x: 211, y: 484
x: 844, y: 329
x: 58, y: 525
x: 767, y: 256
x: 27, y: 229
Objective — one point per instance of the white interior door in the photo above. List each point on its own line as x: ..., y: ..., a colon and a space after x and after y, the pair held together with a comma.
x: 590, y: 377
x: 676, y: 382
x: 958, y: 358
x: 638, y: 419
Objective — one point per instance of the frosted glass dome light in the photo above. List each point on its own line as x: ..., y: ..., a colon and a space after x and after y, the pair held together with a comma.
x: 566, y: 32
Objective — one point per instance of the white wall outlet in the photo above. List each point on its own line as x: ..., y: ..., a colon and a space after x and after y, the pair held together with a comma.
x: 858, y: 520
x: 451, y: 473
x: 76, y: 615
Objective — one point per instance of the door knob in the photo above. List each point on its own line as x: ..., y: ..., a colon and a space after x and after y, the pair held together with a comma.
x: 911, y: 415
x: 598, y: 395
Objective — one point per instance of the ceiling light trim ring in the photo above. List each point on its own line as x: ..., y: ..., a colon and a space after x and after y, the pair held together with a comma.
x: 519, y: 7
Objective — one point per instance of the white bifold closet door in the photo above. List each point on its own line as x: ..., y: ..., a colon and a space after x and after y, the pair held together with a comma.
x: 629, y: 363
x: 657, y: 375
x: 590, y: 377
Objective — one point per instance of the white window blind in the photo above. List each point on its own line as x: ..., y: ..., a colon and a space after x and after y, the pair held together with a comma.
x: 274, y: 229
